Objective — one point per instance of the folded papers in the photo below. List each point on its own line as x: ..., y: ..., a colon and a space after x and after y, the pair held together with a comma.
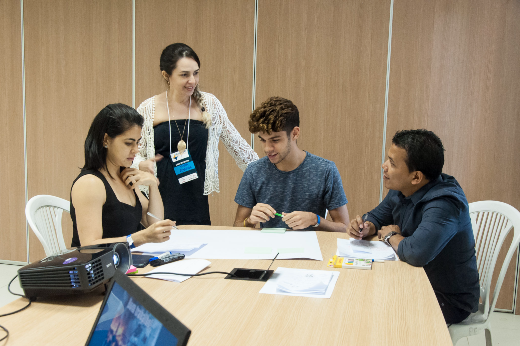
x: 376, y: 250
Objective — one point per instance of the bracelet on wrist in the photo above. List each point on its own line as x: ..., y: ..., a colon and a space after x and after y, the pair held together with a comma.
x: 317, y: 223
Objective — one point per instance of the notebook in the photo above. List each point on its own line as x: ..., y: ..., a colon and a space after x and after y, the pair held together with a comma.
x: 129, y: 316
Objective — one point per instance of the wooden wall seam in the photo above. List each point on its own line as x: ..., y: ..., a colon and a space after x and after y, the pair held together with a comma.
x: 13, y: 244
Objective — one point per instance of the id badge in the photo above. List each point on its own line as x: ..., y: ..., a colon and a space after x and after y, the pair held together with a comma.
x: 184, y: 167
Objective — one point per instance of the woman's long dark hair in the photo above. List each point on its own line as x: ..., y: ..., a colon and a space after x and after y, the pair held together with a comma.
x: 113, y: 120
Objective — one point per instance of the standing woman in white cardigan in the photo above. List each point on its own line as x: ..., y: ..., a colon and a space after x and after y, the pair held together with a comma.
x: 185, y: 120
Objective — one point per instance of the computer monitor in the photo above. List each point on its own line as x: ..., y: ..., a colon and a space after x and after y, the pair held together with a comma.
x: 129, y: 316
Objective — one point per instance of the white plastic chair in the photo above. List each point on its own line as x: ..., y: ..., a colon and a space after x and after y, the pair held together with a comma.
x: 43, y: 212
x: 492, y: 221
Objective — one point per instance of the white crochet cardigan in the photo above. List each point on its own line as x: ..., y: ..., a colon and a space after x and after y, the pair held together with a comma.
x: 220, y: 128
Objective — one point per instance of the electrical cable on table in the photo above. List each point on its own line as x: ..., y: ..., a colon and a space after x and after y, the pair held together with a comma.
x: 14, y: 312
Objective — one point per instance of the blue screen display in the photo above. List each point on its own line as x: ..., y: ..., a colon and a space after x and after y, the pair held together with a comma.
x: 125, y: 322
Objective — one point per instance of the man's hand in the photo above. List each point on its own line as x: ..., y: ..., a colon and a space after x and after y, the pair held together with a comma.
x: 359, y: 229
x: 387, y: 229
x: 261, y: 213
x: 300, y: 219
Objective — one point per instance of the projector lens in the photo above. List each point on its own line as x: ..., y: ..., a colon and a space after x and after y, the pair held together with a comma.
x: 116, y: 259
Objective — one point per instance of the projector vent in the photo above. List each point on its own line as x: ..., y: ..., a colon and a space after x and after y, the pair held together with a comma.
x: 94, y: 272
x: 51, y: 278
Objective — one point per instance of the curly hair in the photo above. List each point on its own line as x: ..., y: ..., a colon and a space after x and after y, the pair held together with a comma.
x: 274, y: 115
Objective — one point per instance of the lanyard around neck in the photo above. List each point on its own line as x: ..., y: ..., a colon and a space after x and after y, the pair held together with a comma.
x: 170, y: 126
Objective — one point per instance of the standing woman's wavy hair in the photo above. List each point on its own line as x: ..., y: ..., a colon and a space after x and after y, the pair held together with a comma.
x: 169, y: 57
x: 113, y: 120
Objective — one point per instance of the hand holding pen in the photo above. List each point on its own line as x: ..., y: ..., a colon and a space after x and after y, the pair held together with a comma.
x: 261, y: 213
x: 360, y: 227
x: 159, y: 219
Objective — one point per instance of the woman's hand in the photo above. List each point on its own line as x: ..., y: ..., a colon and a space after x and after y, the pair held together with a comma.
x: 149, y: 165
x: 158, y: 232
x: 134, y: 177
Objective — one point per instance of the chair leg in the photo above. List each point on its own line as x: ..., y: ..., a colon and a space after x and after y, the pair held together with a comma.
x: 488, y: 337
x: 455, y: 342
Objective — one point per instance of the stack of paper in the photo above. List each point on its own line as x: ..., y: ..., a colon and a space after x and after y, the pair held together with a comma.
x: 305, y: 282
x: 169, y: 246
x: 301, y: 282
x: 376, y: 250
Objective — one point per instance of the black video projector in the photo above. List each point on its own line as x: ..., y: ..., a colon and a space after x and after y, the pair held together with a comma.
x: 74, y: 271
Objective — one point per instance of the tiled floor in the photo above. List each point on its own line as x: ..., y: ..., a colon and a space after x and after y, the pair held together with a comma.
x: 505, y: 331
x: 506, y: 327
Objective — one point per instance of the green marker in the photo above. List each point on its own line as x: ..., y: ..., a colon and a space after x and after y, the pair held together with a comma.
x: 280, y: 215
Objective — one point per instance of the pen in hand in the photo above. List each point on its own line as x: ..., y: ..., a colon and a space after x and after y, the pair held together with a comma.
x: 364, y: 222
x: 155, y: 217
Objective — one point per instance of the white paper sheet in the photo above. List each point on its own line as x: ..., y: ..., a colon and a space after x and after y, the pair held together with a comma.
x: 182, y: 267
x: 170, y: 245
x: 296, y: 279
x: 376, y: 250
x: 305, y: 282
x: 240, y: 244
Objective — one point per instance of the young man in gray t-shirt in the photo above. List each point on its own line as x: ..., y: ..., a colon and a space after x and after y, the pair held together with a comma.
x: 288, y: 181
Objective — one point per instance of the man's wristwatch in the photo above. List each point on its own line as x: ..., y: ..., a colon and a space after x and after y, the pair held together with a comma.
x: 130, y: 241
x: 387, y: 237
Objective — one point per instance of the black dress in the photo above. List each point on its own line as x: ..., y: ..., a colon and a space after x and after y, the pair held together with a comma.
x: 118, y: 219
x: 184, y: 203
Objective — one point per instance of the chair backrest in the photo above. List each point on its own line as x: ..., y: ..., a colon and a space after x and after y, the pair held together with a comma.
x: 43, y: 213
x: 492, y: 221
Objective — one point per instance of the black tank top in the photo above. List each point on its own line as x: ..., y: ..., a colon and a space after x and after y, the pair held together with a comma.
x: 118, y: 219
x: 184, y: 203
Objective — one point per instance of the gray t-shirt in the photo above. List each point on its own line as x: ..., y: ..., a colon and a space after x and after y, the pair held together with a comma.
x: 313, y: 186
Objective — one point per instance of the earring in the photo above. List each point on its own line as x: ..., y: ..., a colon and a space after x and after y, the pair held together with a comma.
x: 106, y: 146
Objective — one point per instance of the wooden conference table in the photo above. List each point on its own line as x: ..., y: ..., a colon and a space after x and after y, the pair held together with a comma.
x: 392, y: 304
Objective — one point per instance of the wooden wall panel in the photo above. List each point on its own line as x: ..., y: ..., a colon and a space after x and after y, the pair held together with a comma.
x: 12, y: 204
x: 329, y: 58
x: 222, y: 34
x: 455, y: 71
x: 78, y: 60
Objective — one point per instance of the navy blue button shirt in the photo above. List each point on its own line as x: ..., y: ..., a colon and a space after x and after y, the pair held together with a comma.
x: 438, y: 235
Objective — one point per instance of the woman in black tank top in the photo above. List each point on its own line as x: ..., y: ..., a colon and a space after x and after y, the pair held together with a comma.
x: 106, y: 205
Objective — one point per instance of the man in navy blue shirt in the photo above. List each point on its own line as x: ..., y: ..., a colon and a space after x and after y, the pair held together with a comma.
x: 425, y: 218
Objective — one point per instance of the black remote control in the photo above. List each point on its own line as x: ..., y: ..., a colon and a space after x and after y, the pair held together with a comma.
x: 166, y: 259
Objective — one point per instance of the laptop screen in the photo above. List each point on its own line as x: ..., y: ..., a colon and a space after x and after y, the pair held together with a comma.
x: 124, y: 321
